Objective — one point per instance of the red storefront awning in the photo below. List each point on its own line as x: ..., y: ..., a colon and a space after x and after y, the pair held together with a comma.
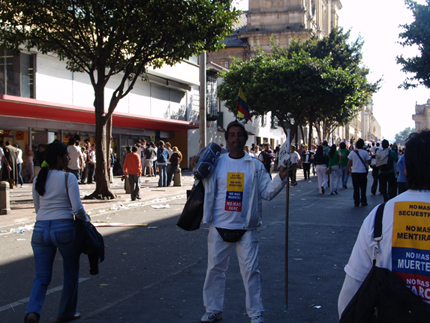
x: 30, y: 108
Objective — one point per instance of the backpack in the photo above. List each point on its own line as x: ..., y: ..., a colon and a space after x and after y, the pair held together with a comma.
x: 384, y: 162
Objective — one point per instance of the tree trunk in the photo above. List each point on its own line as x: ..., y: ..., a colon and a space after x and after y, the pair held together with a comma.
x: 310, y: 137
x: 101, y: 173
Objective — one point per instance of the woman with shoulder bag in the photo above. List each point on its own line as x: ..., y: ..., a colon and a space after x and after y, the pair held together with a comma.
x: 54, y: 229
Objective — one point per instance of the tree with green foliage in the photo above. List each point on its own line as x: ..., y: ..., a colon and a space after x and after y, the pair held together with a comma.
x: 104, y: 38
x: 403, y: 135
x: 314, y: 81
x: 343, y: 105
x: 417, y: 34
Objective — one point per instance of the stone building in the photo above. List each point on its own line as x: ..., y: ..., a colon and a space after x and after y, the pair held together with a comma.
x: 284, y: 19
x: 422, y: 116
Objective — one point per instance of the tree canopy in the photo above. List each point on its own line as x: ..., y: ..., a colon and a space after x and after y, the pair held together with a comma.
x: 104, y: 38
x: 417, y: 34
x: 315, y: 81
x: 403, y: 135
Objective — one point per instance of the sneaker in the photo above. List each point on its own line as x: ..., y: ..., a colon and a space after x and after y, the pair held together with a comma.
x: 211, y: 317
x: 257, y: 319
x: 322, y: 189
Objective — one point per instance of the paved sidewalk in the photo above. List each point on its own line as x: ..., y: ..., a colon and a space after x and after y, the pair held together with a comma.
x: 22, y: 209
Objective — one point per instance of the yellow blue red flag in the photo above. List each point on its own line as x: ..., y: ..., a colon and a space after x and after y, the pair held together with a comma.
x: 242, y: 106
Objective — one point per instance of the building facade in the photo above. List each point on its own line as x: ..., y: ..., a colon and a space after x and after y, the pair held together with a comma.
x: 40, y: 101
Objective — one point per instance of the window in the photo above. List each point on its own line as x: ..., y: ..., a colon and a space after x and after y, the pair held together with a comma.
x: 211, y: 95
x: 274, y: 123
x: 17, y: 74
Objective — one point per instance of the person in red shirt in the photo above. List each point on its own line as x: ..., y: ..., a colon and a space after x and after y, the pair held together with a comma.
x: 133, y: 170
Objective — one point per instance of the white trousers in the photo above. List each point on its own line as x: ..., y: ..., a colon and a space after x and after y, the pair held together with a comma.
x: 322, y: 176
x: 334, y: 178
x: 218, y: 260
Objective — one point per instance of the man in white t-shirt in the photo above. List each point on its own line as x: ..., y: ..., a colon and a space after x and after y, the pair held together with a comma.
x: 76, y: 161
x: 404, y: 248
x: 294, y: 160
x: 358, y: 165
x: 232, y: 207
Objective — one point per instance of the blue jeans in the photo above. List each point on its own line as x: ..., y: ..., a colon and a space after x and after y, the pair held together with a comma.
x: 162, y: 181
x: 344, y: 175
x: 48, y: 236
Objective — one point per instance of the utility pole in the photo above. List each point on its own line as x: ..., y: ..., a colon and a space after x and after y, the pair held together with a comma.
x: 202, y: 110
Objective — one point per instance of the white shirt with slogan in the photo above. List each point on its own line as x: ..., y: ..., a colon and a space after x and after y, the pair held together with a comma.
x: 233, y: 186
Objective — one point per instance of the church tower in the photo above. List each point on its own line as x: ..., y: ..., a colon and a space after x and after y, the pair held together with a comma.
x: 288, y: 19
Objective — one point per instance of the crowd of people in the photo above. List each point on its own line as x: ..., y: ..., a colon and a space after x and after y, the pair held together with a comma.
x: 232, y: 204
x: 335, y: 164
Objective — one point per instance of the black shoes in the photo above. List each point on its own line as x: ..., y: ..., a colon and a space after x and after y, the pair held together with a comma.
x: 32, y: 318
x: 68, y: 319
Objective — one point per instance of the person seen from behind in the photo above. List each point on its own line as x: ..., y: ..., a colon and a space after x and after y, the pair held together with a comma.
x: 358, y: 163
x: 55, y: 205
x: 321, y: 162
x: 334, y: 158
x: 387, y: 176
x: 132, y: 170
x: 394, y: 250
x: 344, y: 152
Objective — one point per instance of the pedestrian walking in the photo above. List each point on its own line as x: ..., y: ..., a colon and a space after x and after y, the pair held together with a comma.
x: 132, y: 170
x: 344, y: 152
x: 358, y: 163
x: 19, y: 162
x: 55, y: 206
x: 334, y: 158
x: 401, y: 250
x: 321, y: 164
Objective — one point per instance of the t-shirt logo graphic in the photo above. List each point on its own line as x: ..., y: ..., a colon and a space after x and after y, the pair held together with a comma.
x: 411, y: 246
x: 234, y: 195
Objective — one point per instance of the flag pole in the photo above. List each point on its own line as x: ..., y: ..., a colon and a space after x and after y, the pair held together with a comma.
x: 287, y: 215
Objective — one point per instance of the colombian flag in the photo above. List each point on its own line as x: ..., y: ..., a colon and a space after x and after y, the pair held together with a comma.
x: 242, y: 106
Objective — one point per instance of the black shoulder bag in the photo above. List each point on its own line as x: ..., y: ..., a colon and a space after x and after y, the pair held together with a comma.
x: 383, y: 297
x: 192, y: 214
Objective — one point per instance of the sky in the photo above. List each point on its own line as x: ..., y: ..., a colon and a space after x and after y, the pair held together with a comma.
x: 378, y: 22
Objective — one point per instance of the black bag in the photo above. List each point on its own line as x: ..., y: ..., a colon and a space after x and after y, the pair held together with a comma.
x: 231, y: 235
x: 383, y: 297
x: 192, y: 214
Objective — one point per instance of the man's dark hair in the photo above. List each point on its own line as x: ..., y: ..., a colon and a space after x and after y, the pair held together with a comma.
x: 238, y: 124
x: 71, y: 141
x: 7, y: 143
x: 134, y: 149
x: 77, y: 143
x: 87, y: 141
x: 385, y: 143
x: 417, y: 160
x: 359, y: 144
x: 342, y: 145
x: 325, y: 143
